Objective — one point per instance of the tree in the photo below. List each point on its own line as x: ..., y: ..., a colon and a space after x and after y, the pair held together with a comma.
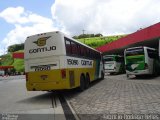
x: 16, y: 47
x: 87, y: 36
x: 98, y: 35
x: 75, y: 37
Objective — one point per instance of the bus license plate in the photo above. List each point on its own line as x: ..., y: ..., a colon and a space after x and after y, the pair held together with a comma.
x: 42, y: 68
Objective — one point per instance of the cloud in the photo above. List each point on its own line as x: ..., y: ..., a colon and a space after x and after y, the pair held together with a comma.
x: 26, y: 23
x: 14, y: 15
x: 19, y: 16
x: 105, y: 16
x: 108, y: 17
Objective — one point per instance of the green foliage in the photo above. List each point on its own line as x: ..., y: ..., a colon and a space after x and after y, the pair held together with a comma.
x: 98, y: 35
x: 13, y: 70
x: 87, y: 36
x: 16, y: 47
x: 19, y: 51
x: 6, y: 60
x: 95, y: 42
x: 19, y: 65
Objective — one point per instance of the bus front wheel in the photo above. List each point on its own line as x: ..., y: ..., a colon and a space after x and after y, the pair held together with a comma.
x: 155, y: 73
x: 127, y: 75
x: 102, y: 75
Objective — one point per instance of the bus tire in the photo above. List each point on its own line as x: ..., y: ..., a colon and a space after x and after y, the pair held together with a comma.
x: 87, y: 81
x: 102, y: 75
x: 127, y: 75
x: 155, y: 73
x: 82, y: 83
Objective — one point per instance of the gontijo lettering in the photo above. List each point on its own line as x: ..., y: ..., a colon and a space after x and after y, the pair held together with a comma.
x: 42, y: 42
x: 44, y: 49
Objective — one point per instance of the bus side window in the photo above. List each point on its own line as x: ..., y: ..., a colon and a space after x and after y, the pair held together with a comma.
x: 152, y: 54
x: 119, y: 59
x: 97, y: 56
x: 83, y: 51
x: 87, y: 52
x: 90, y: 53
x: 74, y: 48
x: 78, y: 50
x: 68, y: 47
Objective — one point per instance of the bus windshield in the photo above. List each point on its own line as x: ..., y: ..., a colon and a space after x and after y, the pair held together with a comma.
x: 113, y: 58
x: 134, y: 52
x: 108, y: 59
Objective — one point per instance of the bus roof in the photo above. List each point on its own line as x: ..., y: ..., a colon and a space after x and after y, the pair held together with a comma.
x: 41, y: 34
x: 132, y: 48
x: 111, y: 55
x: 66, y: 37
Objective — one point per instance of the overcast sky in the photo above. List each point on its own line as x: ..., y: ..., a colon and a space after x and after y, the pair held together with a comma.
x: 21, y: 18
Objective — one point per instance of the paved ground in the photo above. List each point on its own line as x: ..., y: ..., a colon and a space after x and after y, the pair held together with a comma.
x: 118, y: 95
x: 105, y: 99
x: 16, y: 103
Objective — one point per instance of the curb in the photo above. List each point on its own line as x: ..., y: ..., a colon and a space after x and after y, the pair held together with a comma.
x: 58, y: 110
x: 69, y: 113
x: 73, y: 111
x: 12, y: 77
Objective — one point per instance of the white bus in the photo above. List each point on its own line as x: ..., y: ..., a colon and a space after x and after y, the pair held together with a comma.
x: 54, y: 61
x: 113, y: 64
x: 141, y: 61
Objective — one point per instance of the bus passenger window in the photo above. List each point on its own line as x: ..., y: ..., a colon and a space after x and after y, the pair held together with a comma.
x: 78, y: 50
x: 74, y: 48
x: 68, y: 47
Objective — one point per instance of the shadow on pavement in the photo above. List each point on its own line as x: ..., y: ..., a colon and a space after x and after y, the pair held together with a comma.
x: 48, y: 96
x: 74, y: 92
x: 43, y: 98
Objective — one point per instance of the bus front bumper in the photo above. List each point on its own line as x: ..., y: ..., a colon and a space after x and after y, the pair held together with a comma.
x: 111, y: 70
x: 46, y: 86
x: 138, y: 72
